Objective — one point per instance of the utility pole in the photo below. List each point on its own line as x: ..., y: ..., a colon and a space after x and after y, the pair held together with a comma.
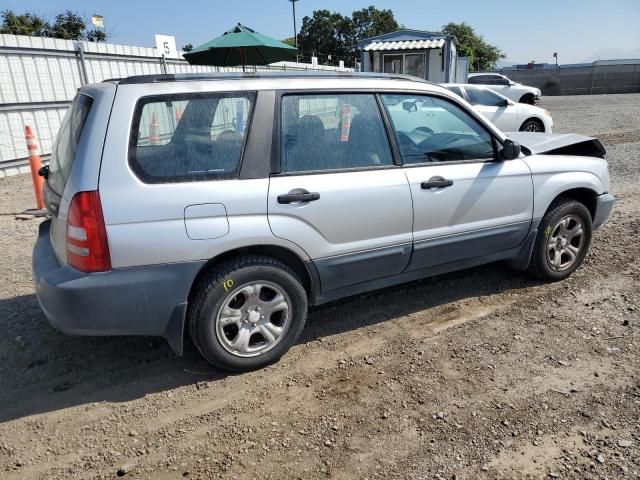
x: 555, y: 55
x: 295, y: 30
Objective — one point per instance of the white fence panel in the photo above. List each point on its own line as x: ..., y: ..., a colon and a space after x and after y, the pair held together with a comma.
x: 40, y: 76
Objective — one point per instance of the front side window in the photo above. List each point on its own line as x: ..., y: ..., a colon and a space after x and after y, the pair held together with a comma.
x: 482, y: 96
x: 431, y: 129
x: 333, y: 131
x: 179, y: 138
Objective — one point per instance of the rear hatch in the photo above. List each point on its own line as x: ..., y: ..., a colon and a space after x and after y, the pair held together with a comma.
x: 75, y: 157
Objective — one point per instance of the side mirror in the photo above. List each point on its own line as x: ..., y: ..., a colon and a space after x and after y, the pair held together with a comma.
x: 504, y: 103
x: 510, y: 150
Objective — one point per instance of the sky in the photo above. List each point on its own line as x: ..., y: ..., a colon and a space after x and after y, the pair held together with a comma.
x: 577, y: 29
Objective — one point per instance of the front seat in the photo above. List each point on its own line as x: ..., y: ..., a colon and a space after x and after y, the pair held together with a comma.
x: 364, y: 146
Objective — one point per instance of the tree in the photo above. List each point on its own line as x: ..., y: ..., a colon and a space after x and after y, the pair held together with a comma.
x: 187, y: 48
x: 289, y: 41
x: 96, y: 35
x: 69, y: 26
x: 371, y: 22
x: 66, y: 25
x: 27, y: 24
x: 325, y: 33
x: 330, y: 33
x: 481, y: 55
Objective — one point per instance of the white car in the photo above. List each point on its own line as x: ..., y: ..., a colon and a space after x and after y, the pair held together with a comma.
x: 505, y: 114
x: 507, y: 87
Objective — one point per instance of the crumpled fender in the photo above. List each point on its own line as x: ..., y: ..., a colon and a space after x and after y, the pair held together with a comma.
x: 558, y: 144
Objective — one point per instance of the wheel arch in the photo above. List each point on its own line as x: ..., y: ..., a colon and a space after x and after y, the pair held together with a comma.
x: 535, y: 119
x: 525, y: 96
x: 584, y: 195
x: 304, y: 270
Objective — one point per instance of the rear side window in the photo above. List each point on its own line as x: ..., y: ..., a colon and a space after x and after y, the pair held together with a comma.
x: 477, y: 79
x: 333, y: 131
x: 455, y: 90
x: 181, y: 138
x: 64, y: 150
x: 482, y: 96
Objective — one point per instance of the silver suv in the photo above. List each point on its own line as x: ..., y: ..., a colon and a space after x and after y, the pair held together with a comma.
x: 226, y: 205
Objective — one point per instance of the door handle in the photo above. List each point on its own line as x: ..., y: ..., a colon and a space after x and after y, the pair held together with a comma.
x: 436, y: 182
x: 298, y: 196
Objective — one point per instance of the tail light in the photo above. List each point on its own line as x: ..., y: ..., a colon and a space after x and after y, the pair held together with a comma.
x: 87, y: 246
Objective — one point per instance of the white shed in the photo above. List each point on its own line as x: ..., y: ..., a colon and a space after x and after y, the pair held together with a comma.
x: 428, y: 55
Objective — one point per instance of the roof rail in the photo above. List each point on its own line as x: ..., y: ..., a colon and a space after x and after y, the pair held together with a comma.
x: 181, y: 77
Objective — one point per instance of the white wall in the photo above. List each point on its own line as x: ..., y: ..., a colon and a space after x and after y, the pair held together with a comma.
x: 436, y: 74
x: 40, y: 76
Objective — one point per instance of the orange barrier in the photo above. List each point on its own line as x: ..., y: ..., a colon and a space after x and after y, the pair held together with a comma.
x: 35, y: 163
x: 154, y: 130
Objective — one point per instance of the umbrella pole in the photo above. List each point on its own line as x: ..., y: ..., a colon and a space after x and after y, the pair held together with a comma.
x: 243, y: 57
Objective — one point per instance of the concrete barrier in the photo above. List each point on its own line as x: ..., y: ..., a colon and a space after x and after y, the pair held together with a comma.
x: 601, y: 77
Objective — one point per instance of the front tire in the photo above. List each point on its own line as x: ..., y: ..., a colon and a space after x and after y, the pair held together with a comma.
x: 562, y: 241
x: 247, y: 313
x: 532, y: 125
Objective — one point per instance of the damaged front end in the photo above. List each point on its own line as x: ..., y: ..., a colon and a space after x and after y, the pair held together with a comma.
x: 558, y: 144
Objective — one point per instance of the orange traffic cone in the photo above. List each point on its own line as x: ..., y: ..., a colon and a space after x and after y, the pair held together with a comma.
x: 35, y: 163
x: 154, y: 130
x: 178, y: 114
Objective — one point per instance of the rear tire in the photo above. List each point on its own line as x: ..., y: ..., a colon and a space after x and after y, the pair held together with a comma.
x: 532, y: 125
x: 562, y: 242
x: 247, y: 313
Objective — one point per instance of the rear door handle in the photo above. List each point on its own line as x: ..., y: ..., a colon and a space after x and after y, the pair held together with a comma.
x: 298, y: 196
x: 436, y: 182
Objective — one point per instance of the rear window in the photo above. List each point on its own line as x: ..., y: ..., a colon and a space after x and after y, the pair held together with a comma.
x: 179, y: 138
x: 64, y: 150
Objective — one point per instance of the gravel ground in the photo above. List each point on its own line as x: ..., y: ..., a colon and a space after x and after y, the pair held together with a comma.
x: 481, y: 374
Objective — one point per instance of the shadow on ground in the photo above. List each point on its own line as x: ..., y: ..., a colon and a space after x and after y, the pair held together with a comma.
x: 42, y: 370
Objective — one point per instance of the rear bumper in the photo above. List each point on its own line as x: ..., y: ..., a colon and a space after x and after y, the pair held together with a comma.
x: 604, y: 204
x: 149, y: 300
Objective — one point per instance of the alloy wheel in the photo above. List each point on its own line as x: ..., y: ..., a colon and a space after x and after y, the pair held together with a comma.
x: 253, y: 318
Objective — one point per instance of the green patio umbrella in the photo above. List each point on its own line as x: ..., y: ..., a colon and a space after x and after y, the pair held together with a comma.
x: 240, y: 46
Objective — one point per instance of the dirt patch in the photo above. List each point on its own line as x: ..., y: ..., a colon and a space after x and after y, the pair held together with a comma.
x: 632, y: 136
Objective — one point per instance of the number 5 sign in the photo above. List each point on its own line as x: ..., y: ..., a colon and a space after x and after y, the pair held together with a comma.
x: 166, y: 45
